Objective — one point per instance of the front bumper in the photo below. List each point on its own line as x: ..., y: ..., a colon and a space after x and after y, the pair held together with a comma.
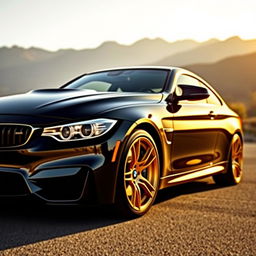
x: 50, y: 185
x: 62, y: 172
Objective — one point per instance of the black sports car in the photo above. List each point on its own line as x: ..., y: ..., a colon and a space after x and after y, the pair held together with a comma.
x: 116, y: 137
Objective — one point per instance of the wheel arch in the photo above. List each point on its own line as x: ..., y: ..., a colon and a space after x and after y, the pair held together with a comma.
x: 240, y: 133
x: 152, y: 130
x: 137, y: 130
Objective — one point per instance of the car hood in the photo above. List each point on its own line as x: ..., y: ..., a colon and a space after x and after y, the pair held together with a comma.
x: 71, y: 103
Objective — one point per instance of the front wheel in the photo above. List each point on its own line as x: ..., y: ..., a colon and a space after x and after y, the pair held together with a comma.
x: 139, y: 172
x: 234, y: 173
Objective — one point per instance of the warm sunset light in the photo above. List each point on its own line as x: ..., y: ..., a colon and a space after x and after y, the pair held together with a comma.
x: 127, y: 127
x: 84, y: 24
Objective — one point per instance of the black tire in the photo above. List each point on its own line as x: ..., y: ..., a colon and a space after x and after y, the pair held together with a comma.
x: 234, y: 172
x: 139, y: 175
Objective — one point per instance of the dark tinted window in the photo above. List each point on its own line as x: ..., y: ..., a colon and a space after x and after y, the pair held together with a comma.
x: 133, y: 80
x: 184, y: 79
x: 213, y: 99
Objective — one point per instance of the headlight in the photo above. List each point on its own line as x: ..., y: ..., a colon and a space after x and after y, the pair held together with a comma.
x: 80, y: 130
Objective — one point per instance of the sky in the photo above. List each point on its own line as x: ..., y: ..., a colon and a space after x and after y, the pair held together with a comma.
x: 55, y: 24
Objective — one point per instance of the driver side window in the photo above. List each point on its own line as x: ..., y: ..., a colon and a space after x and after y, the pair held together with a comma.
x: 96, y: 86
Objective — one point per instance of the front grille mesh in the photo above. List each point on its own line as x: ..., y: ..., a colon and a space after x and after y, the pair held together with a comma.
x: 14, y: 135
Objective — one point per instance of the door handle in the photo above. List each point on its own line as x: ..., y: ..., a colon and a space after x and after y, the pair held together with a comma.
x: 211, y: 114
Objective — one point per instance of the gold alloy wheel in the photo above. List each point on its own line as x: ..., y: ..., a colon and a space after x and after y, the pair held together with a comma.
x: 141, y: 176
x: 237, y: 158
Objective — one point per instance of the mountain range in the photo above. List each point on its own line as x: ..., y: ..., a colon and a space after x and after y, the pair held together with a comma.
x: 229, y: 65
x: 233, y: 77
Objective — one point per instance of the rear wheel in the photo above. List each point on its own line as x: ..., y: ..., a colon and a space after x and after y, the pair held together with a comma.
x: 139, y: 173
x: 234, y: 173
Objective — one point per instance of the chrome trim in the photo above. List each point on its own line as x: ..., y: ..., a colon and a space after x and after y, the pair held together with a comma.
x: 193, y: 171
x: 195, y: 175
x: 53, y: 134
x: 71, y: 129
x: 29, y: 137
x: 167, y: 130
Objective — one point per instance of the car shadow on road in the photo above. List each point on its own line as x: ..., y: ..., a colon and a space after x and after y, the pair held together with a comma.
x: 22, y: 224
x: 187, y: 188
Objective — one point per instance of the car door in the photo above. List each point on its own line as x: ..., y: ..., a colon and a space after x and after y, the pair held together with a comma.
x: 219, y: 115
x: 195, y: 134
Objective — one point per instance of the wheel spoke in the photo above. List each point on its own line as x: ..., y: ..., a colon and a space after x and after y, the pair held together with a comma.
x: 146, y: 164
x: 237, y: 144
x: 238, y: 153
x: 146, y: 156
x: 234, y: 149
x: 146, y: 186
x: 136, y: 196
x: 128, y: 175
x: 137, y: 150
x: 236, y: 168
x: 135, y: 153
x: 237, y: 149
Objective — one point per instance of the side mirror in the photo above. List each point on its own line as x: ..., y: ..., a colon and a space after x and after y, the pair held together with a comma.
x: 188, y: 92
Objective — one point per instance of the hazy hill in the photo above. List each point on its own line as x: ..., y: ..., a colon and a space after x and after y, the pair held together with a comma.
x: 210, y: 53
x: 234, y: 77
x: 16, y: 56
x: 23, y: 69
x: 145, y: 50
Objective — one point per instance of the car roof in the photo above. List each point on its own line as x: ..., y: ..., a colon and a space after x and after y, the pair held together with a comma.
x: 138, y: 67
x: 176, y: 70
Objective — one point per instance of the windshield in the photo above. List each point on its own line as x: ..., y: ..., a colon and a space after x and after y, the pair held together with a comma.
x: 125, y: 80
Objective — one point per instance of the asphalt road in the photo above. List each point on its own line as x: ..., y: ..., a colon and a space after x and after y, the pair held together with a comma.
x: 198, y: 218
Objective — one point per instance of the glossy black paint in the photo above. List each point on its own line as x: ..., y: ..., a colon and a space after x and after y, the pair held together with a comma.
x: 191, y: 137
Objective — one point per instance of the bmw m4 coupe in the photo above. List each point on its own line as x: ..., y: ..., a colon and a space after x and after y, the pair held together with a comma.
x: 117, y: 137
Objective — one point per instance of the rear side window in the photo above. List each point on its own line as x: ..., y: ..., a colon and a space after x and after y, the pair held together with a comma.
x: 213, y: 99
